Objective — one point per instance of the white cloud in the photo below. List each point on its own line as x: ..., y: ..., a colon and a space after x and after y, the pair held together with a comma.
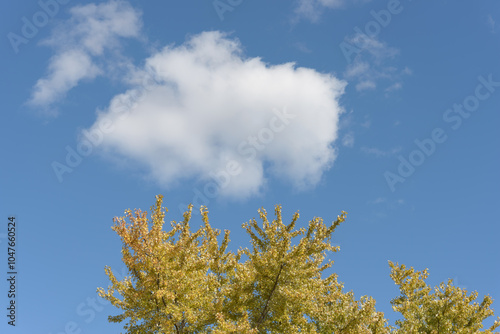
x: 312, y: 9
x: 302, y: 47
x: 91, y: 30
x: 394, y: 87
x: 377, y: 49
x: 381, y: 153
x: 407, y: 71
x: 66, y: 69
x: 492, y: 24
x: 348, y: 140
x: 390, y: 203
x: 357, y: 69
x: 369, y: 65
x: 378, y: 200
x: 212, y: 105
x: 367, y: 123
x: 366, y: 84
x: 384, y: 206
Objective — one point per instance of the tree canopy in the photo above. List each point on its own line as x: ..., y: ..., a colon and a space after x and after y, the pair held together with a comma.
x: 187, y: 282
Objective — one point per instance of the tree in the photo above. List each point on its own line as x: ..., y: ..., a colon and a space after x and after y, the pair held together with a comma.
x: 185, y: 282
x: 446, y: 310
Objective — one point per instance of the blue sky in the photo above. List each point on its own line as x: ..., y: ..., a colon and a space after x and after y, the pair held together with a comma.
x: 388, y: 110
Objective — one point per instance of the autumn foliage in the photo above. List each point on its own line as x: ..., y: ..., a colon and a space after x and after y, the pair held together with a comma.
x: 187, y: 282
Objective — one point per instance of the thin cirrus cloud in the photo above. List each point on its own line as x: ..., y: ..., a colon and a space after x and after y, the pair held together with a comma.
x: 492, y: 24
x: 348, y: 140
x: 312, y: 9
x: 371, y: 64
x: 381, y: 153
x: 206, y: 104
x: 80, y: 44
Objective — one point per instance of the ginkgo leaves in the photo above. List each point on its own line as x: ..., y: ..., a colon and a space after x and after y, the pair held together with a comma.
x: 186, y: 282
x: 444, y: 309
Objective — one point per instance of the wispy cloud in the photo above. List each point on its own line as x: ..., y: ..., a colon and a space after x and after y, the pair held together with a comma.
x: 492, y: 24
x: 312, y: 9
x: 391, y: 203
x: 367, y: 123
x: 80, y: 45
x: 394, y: 87
x: 378, y: 200
x: 302, y: 47
x: 382, y: 206
x: 379, y: 50
x: 381, y: 153
x: 348, y: 140
x: 372, y: 64
x: 213, y: 105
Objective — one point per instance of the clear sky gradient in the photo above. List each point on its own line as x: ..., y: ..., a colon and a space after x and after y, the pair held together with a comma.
x: 388, y: 110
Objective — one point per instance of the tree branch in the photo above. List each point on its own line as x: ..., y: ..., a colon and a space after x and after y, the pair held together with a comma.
x: 264, y: 311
